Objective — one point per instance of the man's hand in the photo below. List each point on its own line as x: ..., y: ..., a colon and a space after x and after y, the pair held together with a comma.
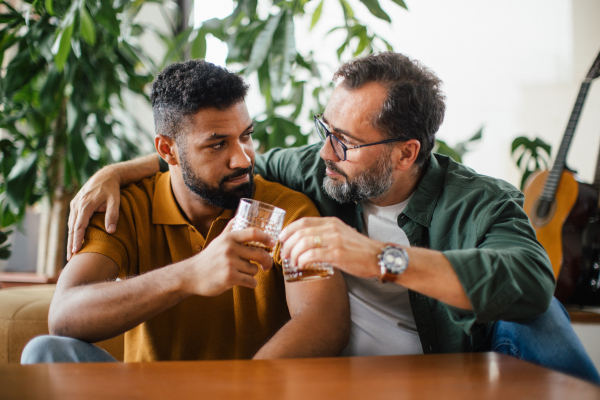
x: 101, y: 193
x: 225, y: 262
x: 339, y: 245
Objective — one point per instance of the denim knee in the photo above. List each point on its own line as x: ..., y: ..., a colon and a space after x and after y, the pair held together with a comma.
x: 58, y: 349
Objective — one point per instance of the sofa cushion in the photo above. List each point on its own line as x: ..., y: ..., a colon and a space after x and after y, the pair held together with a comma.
x: 24, y: 315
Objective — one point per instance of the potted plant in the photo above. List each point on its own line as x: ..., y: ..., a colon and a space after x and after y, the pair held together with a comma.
x: 67, y: 66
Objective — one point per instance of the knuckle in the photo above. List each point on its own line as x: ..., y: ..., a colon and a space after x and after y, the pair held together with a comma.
x: 336, y: 253
x: 229, y: 251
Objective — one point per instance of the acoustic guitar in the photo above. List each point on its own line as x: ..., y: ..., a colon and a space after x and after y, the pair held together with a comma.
x: 560, y: 206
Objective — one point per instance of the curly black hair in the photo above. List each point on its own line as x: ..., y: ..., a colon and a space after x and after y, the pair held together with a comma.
x: 184, y: 88
x: 415, y: 104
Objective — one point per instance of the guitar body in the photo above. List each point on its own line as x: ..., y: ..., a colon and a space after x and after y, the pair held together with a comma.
x: 560, y: 232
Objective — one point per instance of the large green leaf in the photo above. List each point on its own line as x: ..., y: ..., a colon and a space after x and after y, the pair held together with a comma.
x: 376, y: 10
x: 3, y: 237
x: 281, y: 55
x: 106, y: 15
x: 50, y: 7
x: 348, y: 12
x: 401, y: 3
x: 5, y: 252
x: 20, y: 71
x: 531, y: 155
x: 62, y: 47
x: 262, y: 45
x: 50, y: 95
x: 87, y: 28
x: 316, y: 15
x: 20, y: 181
x: 199, y: 45
x: 8, y: 156
x: 7, y: 217
x: 442, y: 148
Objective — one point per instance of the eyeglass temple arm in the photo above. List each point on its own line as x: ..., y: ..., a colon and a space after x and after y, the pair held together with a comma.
x: 373, y: 144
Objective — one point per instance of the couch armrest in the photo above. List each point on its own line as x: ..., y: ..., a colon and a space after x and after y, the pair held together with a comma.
x: 24, y: 315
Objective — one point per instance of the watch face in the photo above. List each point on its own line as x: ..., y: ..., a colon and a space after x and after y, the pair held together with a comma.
x: 394, y: 260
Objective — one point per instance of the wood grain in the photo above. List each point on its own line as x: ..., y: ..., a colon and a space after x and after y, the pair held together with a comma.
x: 447, y: 376
x: 584, y: 317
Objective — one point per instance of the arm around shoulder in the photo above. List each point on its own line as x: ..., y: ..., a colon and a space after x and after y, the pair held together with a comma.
x: 102, y: 193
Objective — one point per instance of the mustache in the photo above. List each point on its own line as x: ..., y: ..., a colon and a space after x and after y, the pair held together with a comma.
x: 332, y: 167
x: 236, y: 174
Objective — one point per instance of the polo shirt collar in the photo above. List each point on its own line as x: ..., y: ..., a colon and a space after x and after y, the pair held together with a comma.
x: 166, y: 211
x: 420, y: 208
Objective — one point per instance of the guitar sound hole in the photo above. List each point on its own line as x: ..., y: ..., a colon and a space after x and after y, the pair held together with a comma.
x: 544, y: 211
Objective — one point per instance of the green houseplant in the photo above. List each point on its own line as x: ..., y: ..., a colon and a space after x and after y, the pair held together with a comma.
x: 68, y: 66
x: 530, y: 156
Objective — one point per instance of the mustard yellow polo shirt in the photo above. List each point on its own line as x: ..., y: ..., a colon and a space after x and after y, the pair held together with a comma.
x: 153, y: 233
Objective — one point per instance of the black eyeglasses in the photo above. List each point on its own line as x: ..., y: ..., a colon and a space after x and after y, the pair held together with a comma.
x: 340, y: 148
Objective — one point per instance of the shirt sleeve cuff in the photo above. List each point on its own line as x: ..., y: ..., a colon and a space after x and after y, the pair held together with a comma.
x: 490, y: 293
x: 106, y: 249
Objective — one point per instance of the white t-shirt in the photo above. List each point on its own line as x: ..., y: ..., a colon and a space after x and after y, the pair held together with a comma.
x: 382, y: 320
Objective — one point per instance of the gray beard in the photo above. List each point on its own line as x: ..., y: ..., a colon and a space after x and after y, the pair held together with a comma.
x: 369, y: 184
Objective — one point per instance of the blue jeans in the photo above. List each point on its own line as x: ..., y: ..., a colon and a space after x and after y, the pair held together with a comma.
x: 547, y: 340
x: 59, y: 349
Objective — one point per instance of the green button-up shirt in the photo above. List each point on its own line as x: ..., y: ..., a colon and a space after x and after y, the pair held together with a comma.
x: 476, y: 221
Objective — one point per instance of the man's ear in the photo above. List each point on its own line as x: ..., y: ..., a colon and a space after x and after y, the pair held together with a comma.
x: 406, y: 154
x: 167, y: 149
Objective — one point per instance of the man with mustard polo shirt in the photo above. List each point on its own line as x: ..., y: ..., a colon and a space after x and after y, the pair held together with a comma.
x: 187, y: 289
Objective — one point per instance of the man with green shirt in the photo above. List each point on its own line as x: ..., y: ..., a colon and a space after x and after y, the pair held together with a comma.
x: 458, y: 245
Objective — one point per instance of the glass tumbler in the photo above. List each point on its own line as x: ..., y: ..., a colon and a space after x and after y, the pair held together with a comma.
x: 263, y: 216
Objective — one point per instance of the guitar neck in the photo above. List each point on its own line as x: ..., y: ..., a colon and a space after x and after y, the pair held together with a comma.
x: 596, y: 184
x: 561, y: 158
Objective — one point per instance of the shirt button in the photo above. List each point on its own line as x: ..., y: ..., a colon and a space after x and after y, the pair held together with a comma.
x: 198, y: 248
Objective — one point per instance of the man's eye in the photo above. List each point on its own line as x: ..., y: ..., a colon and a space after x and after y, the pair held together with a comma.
x: 219, y: 145
x: 247, y: 135
x: 343, y: 139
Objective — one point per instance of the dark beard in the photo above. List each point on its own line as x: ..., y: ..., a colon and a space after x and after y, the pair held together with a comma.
x: 369, y: 184
x: 218, y: 196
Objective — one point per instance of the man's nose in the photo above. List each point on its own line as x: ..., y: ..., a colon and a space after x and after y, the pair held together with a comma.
x: 239, y: 158
x: 327, y: 152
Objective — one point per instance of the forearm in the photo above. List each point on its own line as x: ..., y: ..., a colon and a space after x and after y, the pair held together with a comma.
x: 103, y: 310
x: 430, y: 273
x: 135, y: 170
x: 320, y: 324
x: 315, y: 333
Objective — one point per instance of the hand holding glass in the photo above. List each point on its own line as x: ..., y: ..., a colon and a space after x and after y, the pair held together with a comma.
x: 269, y: 219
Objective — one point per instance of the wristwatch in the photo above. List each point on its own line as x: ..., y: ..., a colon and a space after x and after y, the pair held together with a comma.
x: 393, y: 260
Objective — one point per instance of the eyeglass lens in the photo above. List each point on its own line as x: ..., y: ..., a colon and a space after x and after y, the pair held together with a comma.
x: 338, y: 149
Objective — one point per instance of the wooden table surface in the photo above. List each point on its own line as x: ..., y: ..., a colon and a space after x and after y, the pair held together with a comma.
x: 442, y: 376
